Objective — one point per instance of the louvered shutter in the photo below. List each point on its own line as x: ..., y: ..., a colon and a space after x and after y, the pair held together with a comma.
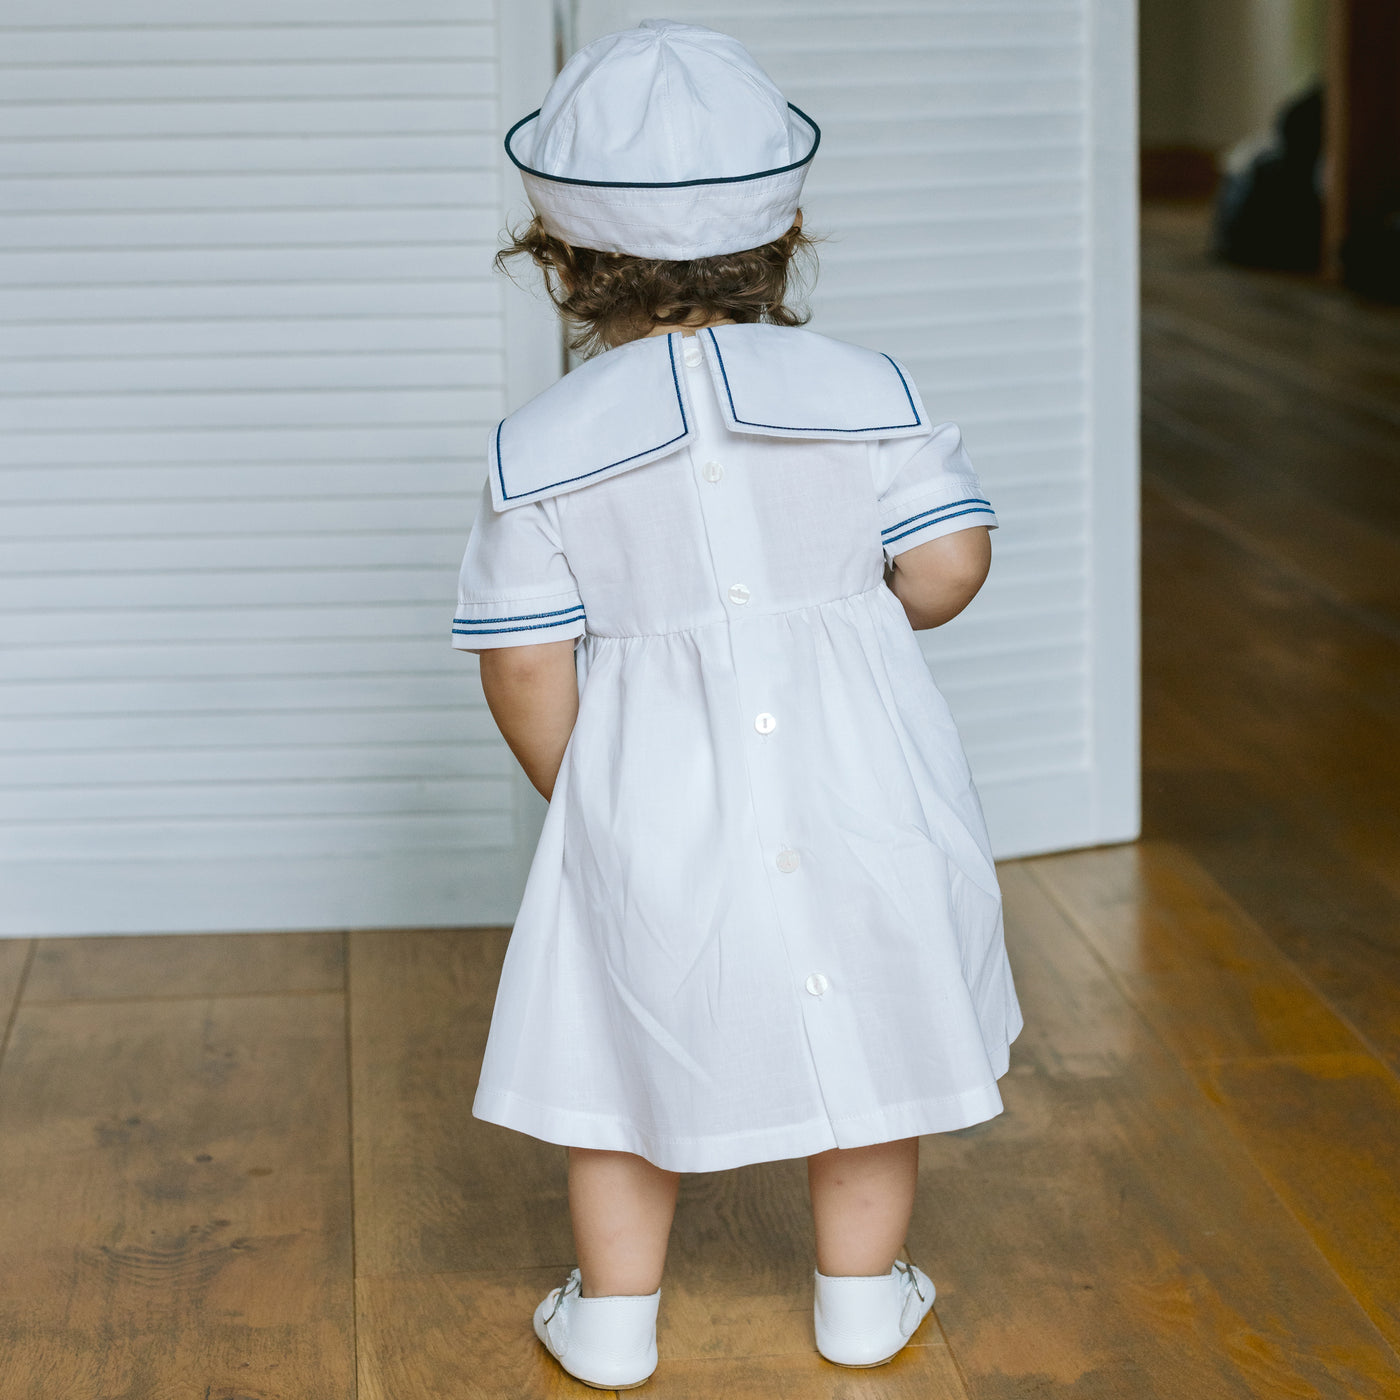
x: 252, y: 347
x: 976, y: 186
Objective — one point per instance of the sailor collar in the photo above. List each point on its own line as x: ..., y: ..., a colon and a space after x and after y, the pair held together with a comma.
x: 630, y: 406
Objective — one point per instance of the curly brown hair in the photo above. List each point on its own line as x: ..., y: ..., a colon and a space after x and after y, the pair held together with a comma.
x: 610, y: 298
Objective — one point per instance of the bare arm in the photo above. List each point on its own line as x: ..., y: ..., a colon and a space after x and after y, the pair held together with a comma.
x: 532, y: 693
x: 936, y: 580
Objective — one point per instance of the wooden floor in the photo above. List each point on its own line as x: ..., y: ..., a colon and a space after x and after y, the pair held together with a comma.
x: 244, y: 1168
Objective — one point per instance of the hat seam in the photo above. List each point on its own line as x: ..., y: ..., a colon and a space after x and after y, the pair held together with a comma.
x: 759, y: 90
x: 568, y: 115
x: 667, y: 57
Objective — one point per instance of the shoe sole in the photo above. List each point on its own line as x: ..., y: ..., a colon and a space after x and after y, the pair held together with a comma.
x: 863, y: 1365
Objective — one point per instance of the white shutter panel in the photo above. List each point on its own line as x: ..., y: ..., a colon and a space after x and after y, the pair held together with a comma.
x: 252, y: 347
x: 976, y: 183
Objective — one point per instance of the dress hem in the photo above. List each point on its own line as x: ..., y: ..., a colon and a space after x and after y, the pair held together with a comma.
x: 572, y: 1128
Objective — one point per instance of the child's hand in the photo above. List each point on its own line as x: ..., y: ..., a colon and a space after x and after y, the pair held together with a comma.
x: 936, y: 580
x: 532, y: 692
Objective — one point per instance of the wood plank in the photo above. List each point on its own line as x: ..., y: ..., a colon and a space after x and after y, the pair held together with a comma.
x: 1308, y: 691
x: 1341, y: 355
x: 1333, y: 919
x: 1207, y: 978
x: 180, y: 965
x: 1341, y: 457
x: 1327, y: 345
x: 1300, y: 380
x: 1283, y: 348
x: 437, y: 1190
x: 15, y: 954
x: 1293, y: 717
x: 1282, y: 634
x: 1325, y: 1130
x: 1348, y: 561
x: 1316, y: 1111
x: 465, y: 1335
x: 912, y: 1375
x: 1311, y: 322
x: 1108, y: 1235
x: 720, y: 1215
x: 186, y: 1221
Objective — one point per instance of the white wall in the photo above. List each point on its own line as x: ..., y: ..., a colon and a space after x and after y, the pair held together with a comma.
x: 252, y: 347
x: 976, y: 181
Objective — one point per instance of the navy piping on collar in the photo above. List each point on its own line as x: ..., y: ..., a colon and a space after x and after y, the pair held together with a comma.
x: 786, y: 428
x: 972, y: 506
x: 583, y: 476
x: 663, y: 184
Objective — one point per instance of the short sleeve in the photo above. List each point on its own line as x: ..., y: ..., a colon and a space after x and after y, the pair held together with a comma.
x: 516, y: 587
x: 926, y: 487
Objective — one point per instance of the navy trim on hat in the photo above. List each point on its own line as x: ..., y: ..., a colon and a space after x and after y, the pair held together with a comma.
x: 664, y: 184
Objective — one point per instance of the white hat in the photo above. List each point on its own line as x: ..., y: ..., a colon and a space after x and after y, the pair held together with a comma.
x: 664, y: 141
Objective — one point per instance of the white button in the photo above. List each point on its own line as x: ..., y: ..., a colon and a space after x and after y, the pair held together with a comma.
x: 738, y: 593
x: 817, y: 984
x: 712, y: 471
x: 765, y: 723
x: 788, y: 861
x: 693, y: 354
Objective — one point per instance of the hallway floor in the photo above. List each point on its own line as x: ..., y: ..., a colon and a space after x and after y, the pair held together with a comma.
x: 243, y: 1167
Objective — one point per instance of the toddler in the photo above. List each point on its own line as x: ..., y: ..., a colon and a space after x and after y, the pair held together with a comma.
x: 762, y: 920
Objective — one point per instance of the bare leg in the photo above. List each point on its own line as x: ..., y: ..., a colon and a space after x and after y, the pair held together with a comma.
x: 862, y: 1198
x: 622, y: 1208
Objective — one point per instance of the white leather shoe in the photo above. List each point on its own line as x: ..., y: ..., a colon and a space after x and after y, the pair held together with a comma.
x: 866, y: 1321
x: 609, y: 1343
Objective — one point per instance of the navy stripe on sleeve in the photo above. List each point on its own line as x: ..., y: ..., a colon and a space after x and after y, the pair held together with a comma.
x: 520, y: 617
x: 491, y: 626
x: 970, y: 505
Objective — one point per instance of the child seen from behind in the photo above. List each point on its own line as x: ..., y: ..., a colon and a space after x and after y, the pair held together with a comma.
x: 762, y: 920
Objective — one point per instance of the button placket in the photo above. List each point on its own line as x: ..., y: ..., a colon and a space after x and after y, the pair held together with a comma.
x: 796, y: 883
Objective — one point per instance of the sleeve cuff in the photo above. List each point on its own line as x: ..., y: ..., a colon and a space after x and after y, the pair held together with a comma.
x: 917, y: 519
x: 479, y: 626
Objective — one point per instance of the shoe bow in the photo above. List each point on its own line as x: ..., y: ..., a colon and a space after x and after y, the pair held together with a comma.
x: 912, y: 1312
x: 574, y: 1283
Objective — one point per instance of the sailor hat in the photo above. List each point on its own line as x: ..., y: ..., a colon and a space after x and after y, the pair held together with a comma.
x: 664, y: 141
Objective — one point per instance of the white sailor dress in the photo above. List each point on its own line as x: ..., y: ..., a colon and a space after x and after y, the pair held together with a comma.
x: 762, y: 919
